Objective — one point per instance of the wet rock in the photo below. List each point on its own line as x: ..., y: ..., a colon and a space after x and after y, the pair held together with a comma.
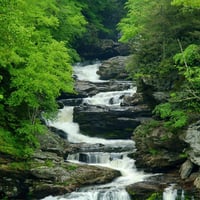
x: 103, y: 49
x: 158, y: 149
x: 135, y: 99
x: 186, y: 169
x: 114, y: 68
x: 87, y: 89
x: 192, y: 138
x: 54, y: 173
x: 51, y: 142
x: 197, y: 182
x: 70, y: 102
x: 154, y: 186
x: 59, y: 132
x: 108, y: 122
x: 46, y: 172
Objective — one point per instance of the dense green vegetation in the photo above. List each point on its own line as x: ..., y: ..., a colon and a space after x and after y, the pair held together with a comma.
x: 38, y: 46
x: 38, y: 40
x: 165, y: 37
x: 35, y: 66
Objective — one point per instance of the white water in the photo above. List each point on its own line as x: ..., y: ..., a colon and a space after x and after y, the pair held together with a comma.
x: 119, y: 161
x: 109, y: 98
x: 87, y: 72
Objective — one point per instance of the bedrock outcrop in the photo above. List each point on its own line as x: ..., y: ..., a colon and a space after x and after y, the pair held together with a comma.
x: 158, y: 149
x: 47, y: 173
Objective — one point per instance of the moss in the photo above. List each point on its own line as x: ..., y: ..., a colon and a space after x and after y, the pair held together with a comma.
x: 153, y: 152
x: 147, y: 127
x: 9, y: 145
x: 155, y: 196
x: 72, y: 167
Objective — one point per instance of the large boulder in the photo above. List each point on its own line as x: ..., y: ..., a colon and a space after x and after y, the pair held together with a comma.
x: 66, y: 177
x: 114, y: 68
x: 153, y: 187
x: 158, y: 149
x: 86, y: 89
x: 110, y: 122
x: 192, y: 137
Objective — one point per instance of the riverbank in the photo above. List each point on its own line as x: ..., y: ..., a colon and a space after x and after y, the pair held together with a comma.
x: 47, y: 172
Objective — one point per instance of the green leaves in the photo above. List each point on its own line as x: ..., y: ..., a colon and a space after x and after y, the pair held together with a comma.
x: 174, y: 117
x: 35, y: 65
x: 187, y: 3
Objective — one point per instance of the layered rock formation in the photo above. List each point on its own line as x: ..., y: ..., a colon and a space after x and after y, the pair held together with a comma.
x: 47, y: 172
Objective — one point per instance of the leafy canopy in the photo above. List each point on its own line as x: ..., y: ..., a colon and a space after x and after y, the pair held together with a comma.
x: 35, y: 63
x: 165, y: 40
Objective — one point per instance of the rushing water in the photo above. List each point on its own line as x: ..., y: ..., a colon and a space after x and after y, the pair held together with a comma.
x: 115, y: 160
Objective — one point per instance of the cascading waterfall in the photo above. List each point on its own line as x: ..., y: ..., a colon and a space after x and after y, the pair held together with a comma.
x: 115, y: 160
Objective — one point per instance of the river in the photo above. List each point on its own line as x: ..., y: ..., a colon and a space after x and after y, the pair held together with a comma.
x: 115, y: 160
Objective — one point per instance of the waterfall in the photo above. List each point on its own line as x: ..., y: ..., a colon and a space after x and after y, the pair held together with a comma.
x: 115, y: 160
x: 87, y: 72
x: 109, y: 98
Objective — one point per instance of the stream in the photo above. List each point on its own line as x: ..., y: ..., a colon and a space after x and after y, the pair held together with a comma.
x: 111, y: 159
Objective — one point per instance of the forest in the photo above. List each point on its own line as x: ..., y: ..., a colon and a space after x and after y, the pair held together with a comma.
x: 40, y: 41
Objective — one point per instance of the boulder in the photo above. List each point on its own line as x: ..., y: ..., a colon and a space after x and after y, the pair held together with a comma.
x: 153, y: 187
x: 110, y: 122
x: 186, y: 169
x: 87, y: 89
x: 114, y: 68
x: 192, y: 138
x: 58, y: 180
x: 158, y: 149
x: 103, y: 49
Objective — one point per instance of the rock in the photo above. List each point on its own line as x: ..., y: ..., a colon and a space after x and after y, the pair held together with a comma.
x: 13, y: 183
x: 46, y: 173
x: 186, y: 169
x: 158, y: 150
x: 143, y: 190
x: 136, y: 99
x: 59, y: 132
x: 58, y: 180
x: 197, y: 182
x: 54, y: 173
x: 51, y: 142
x: 42, y: 156
x: 87, y: 89
x: 114, y: 68
x: 154, y: 186
x: 192, y: 138
x: 109, y: 122
x: 103, y: 49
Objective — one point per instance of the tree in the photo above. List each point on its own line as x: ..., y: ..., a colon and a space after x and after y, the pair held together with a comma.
x: 35, y: 67
x: 187, y: 3
x: 165, y: 37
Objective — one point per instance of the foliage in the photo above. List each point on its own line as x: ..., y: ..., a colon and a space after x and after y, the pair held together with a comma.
x: 188, y: 64
x: 146, y: 127
x: 174, y: 117
x: 187, y: 3
x: 155, y: 196
x: 71, y: 21
x: 9, y: 144
x: 165, y: 39
x: 35, y: 65
x: 133, y: 24
x: 102, y: 17
x: 151, y: 28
